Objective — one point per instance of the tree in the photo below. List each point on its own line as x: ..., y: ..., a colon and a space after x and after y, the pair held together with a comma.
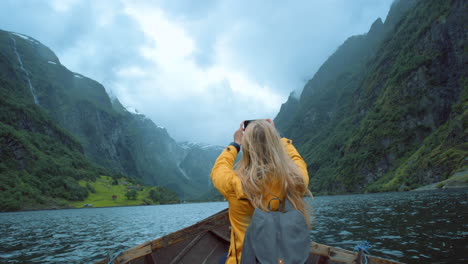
x: 131, y: 195
x: 154, y: 195
x: 163, y: 195
x: 115, y: 181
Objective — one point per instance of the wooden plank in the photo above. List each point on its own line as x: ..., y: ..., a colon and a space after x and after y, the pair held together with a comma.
x: 134, y: 253
x: 191, y: 231
x: 205, y: 261
x: 222, y: 236
x: 210, y: 223
x: 343, y: 255
x: 186, y: 249
x: 149, y: 259
x: 319, y: 249
x: 334, y: 255
x: 376, y: 260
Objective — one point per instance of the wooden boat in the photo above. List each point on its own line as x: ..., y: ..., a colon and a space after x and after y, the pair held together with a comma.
x: 208, y: 240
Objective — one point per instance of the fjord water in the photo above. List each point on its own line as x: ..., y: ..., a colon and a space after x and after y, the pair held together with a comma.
x: 412, y: 227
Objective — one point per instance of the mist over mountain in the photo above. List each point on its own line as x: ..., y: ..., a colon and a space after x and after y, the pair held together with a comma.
x: 42, y: 101
x: 160, y: 56
x: 388, y: 110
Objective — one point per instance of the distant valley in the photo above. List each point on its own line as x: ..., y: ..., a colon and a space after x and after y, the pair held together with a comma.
x: 387, y: 111
x: 58, y: 127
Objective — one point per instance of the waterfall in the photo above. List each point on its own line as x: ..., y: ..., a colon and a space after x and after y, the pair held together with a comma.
x: 31, y: 88
x: 183, y: 172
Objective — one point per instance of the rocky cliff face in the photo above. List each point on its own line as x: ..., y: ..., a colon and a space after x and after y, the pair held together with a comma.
x: 283, y: 120
x: 121, y: 141
x: 40, y: 162
x: 196, y: 164
x: 387, y: 111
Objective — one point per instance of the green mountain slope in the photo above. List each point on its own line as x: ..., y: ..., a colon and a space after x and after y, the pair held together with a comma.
x: 40, y: 163
x: 387, y: 111
x: 46, y: 106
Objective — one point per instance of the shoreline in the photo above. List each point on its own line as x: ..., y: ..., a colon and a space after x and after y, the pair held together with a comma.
x: 97, y: 207
x: 430, y: 187
x: 458, y: 180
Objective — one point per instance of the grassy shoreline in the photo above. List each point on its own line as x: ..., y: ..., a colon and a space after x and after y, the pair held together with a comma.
x: 106, y: 191
x: 457, y: 181
x: 102, y: 191
x: 109, y: 192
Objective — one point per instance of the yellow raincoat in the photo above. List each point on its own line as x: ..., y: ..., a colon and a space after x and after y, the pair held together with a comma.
x: 240, y: 209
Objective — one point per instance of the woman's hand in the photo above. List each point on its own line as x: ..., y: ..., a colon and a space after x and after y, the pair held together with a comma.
x: 239, y: 134
x: 270, y: 121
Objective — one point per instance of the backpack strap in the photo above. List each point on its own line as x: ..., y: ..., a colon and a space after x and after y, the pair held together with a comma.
x: 276, y: 198
x: 285, y: 204
x: 288, y: 206
x: 235, y: 246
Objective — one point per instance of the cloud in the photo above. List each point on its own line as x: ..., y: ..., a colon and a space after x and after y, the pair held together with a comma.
x: 94, y: 38
x: 196, y: 67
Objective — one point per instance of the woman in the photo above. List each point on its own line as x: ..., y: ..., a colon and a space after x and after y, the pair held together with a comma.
x: 270, y: 167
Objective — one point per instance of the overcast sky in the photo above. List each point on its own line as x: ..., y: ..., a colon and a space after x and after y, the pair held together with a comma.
x: 197, y: 68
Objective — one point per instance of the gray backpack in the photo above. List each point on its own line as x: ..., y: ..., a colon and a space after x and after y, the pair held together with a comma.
x: 276, y: 237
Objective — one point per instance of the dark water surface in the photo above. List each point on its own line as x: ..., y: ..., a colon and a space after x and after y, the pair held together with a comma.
x: 412, y: 227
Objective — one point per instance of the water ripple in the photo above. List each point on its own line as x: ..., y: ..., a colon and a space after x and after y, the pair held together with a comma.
x: 412, y: 227
x: 87, y: 235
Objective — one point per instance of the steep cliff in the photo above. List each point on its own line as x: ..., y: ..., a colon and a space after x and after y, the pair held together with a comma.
x: 40, y: 162
x: 197, y: 163
x: 118, y: 140
x: 387, y: 111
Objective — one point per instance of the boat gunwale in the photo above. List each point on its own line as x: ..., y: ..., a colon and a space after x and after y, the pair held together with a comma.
x: 219, y: 219
x: 148, y: 247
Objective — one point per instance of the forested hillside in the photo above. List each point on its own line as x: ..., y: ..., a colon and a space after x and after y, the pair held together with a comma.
x: 388, y: 110
x: 40, y: 162
x: 58, y: 127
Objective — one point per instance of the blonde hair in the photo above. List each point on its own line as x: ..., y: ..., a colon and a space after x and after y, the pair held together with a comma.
x: 265, y: 163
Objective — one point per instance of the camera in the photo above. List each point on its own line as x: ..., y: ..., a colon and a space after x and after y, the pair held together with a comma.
x: 247, y: 122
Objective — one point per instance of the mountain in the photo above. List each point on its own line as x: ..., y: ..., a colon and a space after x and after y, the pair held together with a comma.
x: 40, y: 162
x: 40, y: 98
x: 196, y: 165
x: 388, y: 110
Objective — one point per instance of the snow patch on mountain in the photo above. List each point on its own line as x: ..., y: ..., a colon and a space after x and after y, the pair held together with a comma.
x: 22, y: 36
x: 132, y: 110
x: 25, y: 37
x: 190, y: 145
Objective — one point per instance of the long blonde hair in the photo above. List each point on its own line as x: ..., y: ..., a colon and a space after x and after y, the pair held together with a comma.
x: 265, y: 163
